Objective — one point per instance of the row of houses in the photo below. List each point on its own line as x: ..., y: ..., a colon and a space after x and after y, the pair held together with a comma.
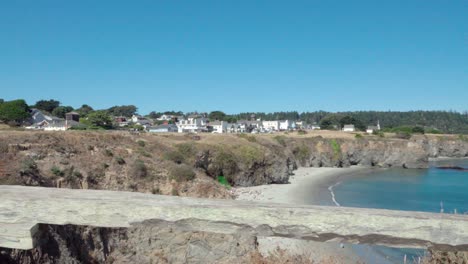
x: 197, y: 124
x: 180, y: 124
x: 369, y: 130
x: 41, y: 121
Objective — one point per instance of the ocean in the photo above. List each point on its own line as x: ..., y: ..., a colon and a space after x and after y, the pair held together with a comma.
x: 428, y: 190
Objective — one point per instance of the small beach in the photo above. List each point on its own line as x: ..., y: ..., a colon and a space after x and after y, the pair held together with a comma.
x: 306, y: 186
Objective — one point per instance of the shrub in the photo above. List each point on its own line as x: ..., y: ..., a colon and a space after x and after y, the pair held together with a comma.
x: 57, y: 171
x: 95, y: 176
x: 139, y: 169
x: 145, y: 154
x: 28, y: 167
x: 186, y: 149
x: 417, y: 130
x: 250, y: 154
x: 433, y: 131
x: 403, y: 135
x: 358, y: 136
x: 336, y: 148
x: 77, y: 174
x: 108, y: 153
x: 378, y: 133
x: 120, y: 160
x: 463, y: 137
x: 156, y: 190
x: 71, y: 175
x: 224, y: 163
x: 141, y: 143
x: 281, y: 140
x: 301, y: 132
x: 302, y: 152
x: 249, y: 138
x: 174, y: 156
x: 182, y: 173
x: 223, y: 181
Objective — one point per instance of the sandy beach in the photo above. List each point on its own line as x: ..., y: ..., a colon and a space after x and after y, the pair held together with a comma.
x: 304, y: 188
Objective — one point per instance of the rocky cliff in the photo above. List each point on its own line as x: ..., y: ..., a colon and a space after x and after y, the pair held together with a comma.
x: 186, y: 165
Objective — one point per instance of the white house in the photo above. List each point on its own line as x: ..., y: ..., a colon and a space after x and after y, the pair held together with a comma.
x: 163, y: 128
x: 49, y: 123
x: 271, y: 125
x: 219, y: 126
x: 371, y: 129
x: 286, y: 124
x: 315, y: 127
x: 192, y: 124
x: 236, y: 128
x: 137, y: 119
x: 299, y: 125
x: 165, y: 117
x: 349, y: 128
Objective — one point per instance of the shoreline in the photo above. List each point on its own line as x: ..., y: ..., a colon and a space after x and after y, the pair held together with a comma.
x: 306, y: 186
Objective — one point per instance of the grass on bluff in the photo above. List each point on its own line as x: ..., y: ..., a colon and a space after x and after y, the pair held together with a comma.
x: 336, y: 148
x: 181, y: 173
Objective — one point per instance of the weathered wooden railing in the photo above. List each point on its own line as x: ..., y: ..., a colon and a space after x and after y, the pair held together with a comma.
x: 23, y: 208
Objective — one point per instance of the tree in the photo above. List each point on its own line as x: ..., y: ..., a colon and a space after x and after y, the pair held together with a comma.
x: 61, y: 111
x: 216, y: 115
x: 84, y: 110
x: 98, y: 119
x: 326, y: 124
x: 230, y: 119
x: 418, y: 130
x: 15, y: 111
x: 154, y: 115
x: 47, y: 105
x: 123, y: 110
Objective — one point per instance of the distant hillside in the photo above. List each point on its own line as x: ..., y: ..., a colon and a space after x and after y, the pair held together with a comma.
x: 444, y: 121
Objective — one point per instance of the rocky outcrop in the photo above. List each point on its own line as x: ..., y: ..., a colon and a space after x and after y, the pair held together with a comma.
x: 116, y: 161
x: 147, y: 242
x: 320, y: 152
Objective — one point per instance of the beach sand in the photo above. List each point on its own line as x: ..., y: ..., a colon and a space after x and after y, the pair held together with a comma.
x: 304, y: 188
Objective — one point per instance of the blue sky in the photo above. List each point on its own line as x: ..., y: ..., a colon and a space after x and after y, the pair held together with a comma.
x: 237, y: 56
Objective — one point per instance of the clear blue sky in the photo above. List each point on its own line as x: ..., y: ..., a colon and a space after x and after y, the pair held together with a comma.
x: 237, y: 56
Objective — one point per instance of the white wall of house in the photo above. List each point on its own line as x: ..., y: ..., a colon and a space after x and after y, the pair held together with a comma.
x: 221, y: 128
x: 349, y: 129
x: 285, y: 124
x: 165, y: 117
x: 55, y: 128
x: 191, y: 125
x: 271, y: 125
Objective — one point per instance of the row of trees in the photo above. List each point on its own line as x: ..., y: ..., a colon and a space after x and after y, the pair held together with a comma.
x: 17, y: 111
x: 444, y: 121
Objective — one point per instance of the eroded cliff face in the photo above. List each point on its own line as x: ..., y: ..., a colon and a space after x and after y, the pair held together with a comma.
x: 147, y: 242
x: 149, y: 163
x: 113, y: 161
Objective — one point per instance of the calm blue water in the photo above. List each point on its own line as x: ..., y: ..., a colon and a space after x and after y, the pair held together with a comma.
x: 428, y: 190
x: 409, y: 189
